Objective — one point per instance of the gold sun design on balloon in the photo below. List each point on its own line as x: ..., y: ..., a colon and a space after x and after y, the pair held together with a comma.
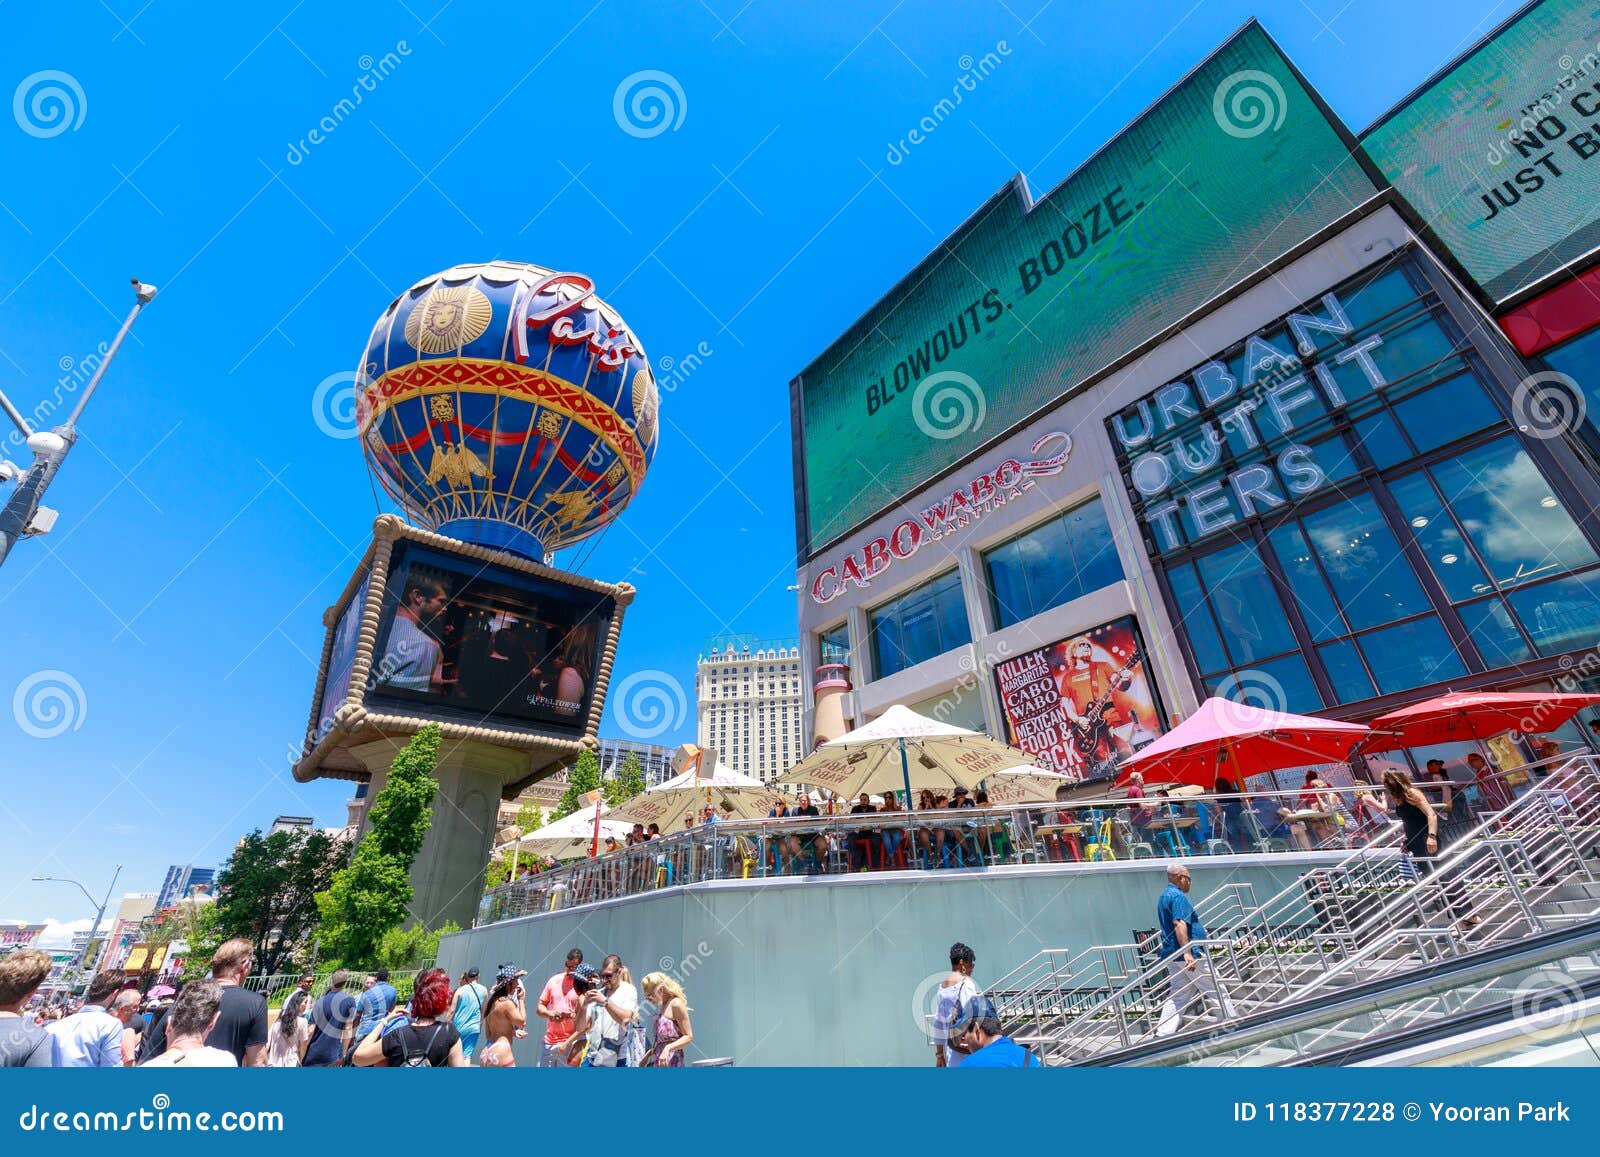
x: 448, y: 318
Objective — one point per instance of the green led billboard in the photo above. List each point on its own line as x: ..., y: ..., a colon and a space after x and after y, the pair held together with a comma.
x: 1233, y: 167
x: 1500, y: 156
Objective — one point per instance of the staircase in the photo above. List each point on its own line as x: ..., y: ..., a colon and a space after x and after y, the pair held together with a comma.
x: 1528, y: 868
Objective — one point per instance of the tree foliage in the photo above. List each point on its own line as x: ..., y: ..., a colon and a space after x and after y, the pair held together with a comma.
x: 584, y: 778
x: 628, y: 783
x: 373, y: 895
x: 266, y: 892
x: 403, y: 948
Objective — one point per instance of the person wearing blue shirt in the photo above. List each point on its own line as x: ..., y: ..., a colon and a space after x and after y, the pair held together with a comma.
x: 977, y: 1031
x: 375, y: 1003
x: 1182, y: 948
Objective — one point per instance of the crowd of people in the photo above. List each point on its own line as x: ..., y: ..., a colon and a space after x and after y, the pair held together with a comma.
x: 593, y: 1018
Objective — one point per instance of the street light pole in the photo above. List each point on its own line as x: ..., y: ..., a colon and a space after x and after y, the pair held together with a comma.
x: 50, y: 447
x: 99, y: 913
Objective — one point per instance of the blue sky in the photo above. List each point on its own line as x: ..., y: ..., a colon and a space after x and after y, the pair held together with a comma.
x: 207, y: 519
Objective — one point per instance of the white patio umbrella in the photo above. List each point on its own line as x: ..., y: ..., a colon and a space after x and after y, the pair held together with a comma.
x: 1025, y: 785
x: 901, y: 750
x: 734, y: 796
x: 572, y: 835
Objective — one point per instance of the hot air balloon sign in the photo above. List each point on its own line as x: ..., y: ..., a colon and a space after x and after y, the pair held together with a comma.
x: 507, y: 405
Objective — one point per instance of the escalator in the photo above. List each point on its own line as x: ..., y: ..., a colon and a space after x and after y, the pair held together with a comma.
x: 1531, y: 1002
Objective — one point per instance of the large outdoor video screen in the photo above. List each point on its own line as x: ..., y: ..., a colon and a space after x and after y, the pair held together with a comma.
x: 1235, y: 166
x: 1500, y: 156
x: 487, y: 642
x: 1083, y: 705
x: 341, y: 658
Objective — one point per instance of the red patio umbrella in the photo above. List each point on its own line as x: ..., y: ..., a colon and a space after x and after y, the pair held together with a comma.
x: 1238, y: 740
x: 1469, y: 716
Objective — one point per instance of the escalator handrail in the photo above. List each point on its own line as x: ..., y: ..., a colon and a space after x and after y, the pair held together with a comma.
x: 1260, y: 1027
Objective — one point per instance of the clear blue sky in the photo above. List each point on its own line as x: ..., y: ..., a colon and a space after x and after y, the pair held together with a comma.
x: 207, y: 521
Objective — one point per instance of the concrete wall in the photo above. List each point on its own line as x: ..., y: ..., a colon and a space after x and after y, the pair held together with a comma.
x: 838, y: 970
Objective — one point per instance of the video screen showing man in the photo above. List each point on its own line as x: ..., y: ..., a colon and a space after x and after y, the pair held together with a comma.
x: 489, y: 647
x: 414, y: 657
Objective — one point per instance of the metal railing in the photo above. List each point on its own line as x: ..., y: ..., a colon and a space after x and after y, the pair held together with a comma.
x: 275, y: 986
x: 1517, y: 872
x: 1097, y: 830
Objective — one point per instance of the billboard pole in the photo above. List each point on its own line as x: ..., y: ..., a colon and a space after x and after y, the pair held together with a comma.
x: 50, y: 447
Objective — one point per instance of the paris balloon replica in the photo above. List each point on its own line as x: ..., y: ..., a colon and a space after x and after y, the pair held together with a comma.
x: 510, y: 413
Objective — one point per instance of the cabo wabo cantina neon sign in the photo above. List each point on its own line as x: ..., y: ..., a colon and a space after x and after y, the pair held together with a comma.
x: 964, y: 506
x: 1270, y: 391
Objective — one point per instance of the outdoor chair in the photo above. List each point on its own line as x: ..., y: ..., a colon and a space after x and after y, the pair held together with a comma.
x: 1100, y: 848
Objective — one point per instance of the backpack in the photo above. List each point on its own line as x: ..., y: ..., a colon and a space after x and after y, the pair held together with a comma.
x: 416, y: 1053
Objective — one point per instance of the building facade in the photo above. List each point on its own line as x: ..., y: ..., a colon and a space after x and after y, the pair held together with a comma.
x: 1317, y: 490
x: 750, y: 700
x: 181, y: 878
x: 655, y: 761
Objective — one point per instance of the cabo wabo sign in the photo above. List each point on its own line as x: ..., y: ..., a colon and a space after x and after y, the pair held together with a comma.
x: 1289, y: 375
x: 964, y: 506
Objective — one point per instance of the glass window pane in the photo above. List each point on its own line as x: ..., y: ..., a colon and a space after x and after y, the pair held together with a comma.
x: 1496, y: 636
x: 919, y: 625
x: 1335, y: 457
x: 1560, y: 615
x: 1247, y: 606
x: 1203, y: 638
x: 1450, y: 410
x: 1580, y: 360
x: 1369, y: 574
x: 1381, y: 435
x: 1411, y: 655
x: 1405, y: 351
x: 1440, y: 539
x: 1364, y: 304
x: 1350, y: 679
x: 834, y: 646
x: 1506, y: 507
x: 1310, y: 591
x: 1283, y: 683
x: 1054, y: 563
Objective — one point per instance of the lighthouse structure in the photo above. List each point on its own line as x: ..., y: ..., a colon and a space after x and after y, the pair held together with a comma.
x: 509, y: 412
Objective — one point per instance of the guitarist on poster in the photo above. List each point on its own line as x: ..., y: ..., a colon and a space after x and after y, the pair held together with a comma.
x: 1088, y: 687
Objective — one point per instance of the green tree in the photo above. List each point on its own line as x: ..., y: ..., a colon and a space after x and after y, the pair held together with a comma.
x: 584, y: 778
x: 197, y: 931
x: 628, y: 783
x: 402, y: 948
x: 529, y: 817
x: 373, y: 894
x: 267, y: 890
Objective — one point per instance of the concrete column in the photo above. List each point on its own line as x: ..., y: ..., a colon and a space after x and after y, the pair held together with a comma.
x: 447, y: 875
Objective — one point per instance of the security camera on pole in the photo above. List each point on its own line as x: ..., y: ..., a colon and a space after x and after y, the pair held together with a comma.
x: 22, y: 514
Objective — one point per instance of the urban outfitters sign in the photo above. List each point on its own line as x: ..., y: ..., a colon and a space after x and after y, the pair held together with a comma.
x: 1027, y: 301
x: 1221, y: 444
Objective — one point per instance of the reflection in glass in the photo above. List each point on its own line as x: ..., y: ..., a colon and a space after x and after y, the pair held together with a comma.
x: 1247, y: 606
x: 1491, y: 628
x: 1053, y: 563
x: 1411, y: 655
x: 1436, y: 532
x: 1560, y: 615
x: 1448, y: 411
x: 919, y: 625
x: 1580, y: 360
x: 1289, y: 673
x: 1350, y: 679
x: 1506, y: 507
x: 1310, y: 591
x: 1380, y: 434
x: 1364, y: 564
x: 1197, y: 625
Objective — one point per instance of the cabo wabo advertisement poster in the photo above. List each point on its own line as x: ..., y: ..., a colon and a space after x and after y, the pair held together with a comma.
x: 1082, y: 705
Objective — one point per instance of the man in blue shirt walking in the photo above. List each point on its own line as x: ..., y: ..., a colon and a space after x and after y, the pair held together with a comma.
x: 1182, y: 947
x: 375, y: 1003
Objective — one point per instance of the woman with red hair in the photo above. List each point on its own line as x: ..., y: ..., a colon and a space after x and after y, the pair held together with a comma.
x: 420, y: 1040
